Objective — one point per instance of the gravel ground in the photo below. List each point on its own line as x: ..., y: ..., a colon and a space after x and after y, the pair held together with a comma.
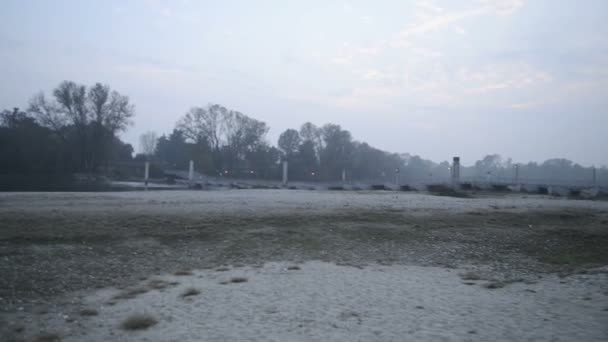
x: 59, y: 250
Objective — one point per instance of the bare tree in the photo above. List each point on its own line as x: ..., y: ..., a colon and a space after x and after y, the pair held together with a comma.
x: 313, y: 134
x: 289, y: 142
x: 147, y: 143
x: 72, y: 98
x: 109, y: 109
x: 94, y: 117
x: 47, y: 113
x: 98, y: 101
x: 231, y: 134
x: 205, y: 124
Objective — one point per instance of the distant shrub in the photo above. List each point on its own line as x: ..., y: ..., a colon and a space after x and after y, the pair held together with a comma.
x: 500, y: 188
x: 444, y: 190
x: 260, y: 186
x: 466, y: 186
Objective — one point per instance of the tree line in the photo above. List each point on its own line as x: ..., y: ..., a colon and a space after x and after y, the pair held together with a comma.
x: 224, y: 142
x: 74, y: 130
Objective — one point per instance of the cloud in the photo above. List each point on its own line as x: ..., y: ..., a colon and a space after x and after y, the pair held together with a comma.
x: 432, y: 18
x: 365, y: 19
x: 346, y: 60
x: 166, y: 12
x: 503, y: 7
x: 428, y: 7
x: 504, y: 76
x: 408, y: 66
x: 527, y: 105
x: 156, y: 71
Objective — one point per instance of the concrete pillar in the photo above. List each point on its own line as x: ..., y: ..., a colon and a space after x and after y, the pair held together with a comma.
x: 285, y: 173
x: 456, y: 172
x: 191, y: 171
x: 594, y: 176
x: 146, y: 174
x: 397, y: 176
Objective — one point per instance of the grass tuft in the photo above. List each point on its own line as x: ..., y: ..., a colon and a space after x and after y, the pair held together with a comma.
x: 139, y: 322
x: 190, y: 292
x: 131, y: 292
x: 494, y: 285
x: 234, y: 280
x: 48, y: 338
x: 158, y: 284
x: 470, y: 276
x: 183, y: 273
x: 89, y: 312
x: 238, y: 280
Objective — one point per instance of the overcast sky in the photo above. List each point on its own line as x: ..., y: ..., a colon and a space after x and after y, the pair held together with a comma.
x: 525, y: 79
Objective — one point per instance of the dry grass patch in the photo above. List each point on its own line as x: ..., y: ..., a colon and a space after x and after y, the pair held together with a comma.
x: 158, y: 284
x: 234, y: 280
x: 293, y: 268
x: 183, y: 273
x: 190, y: 292
x: 222, y: 269
x: 139, y: 322
x: 48, y: 338
x: 470, y: 276
x: 89, y: 312
x: 494, y: 285
x: 131, y: 292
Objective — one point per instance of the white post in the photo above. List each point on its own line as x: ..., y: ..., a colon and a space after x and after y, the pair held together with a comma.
x: 284, y: 173
x: 343, y: 176
x: 456, y: 172
x: 191, y: 171
x: 397, y: 176
x: 146, y: 174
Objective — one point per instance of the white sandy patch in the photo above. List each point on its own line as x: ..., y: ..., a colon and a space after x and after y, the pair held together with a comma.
x: 325, y: 302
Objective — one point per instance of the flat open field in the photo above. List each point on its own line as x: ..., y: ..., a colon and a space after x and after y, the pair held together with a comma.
x: 301, y: 265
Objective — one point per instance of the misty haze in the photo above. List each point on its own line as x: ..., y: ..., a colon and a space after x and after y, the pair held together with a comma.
x: 424, y: 170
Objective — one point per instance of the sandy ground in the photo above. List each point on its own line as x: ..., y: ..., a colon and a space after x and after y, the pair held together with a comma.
x: 381, y: 266
x: 324, y: 302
